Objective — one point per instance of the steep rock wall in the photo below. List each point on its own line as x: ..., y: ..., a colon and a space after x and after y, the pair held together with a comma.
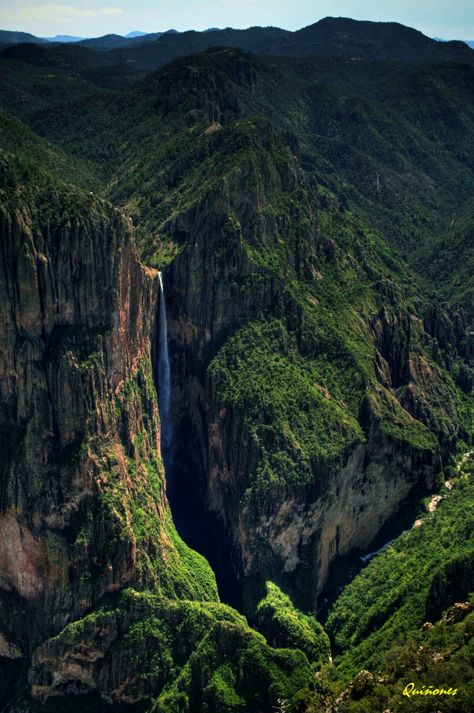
x: 257, y: 249
x: 83, y: 510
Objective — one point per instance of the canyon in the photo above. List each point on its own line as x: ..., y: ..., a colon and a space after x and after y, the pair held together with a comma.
x: 223, y: 372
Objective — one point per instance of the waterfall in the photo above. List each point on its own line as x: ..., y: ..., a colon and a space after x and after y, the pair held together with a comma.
x: 164, y: 374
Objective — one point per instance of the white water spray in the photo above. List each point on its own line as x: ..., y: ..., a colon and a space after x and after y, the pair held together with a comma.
x: 164, y: 373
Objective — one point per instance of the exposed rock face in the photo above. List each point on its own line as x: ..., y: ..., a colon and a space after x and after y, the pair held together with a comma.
x: 216, y: 285
x: 83, y: 510
x: 376, y: 481
x: 77, y: 311
x: 211, y: 291
x: 94, y: 654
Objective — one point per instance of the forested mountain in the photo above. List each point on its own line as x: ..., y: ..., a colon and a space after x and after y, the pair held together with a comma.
x: 237, y: 360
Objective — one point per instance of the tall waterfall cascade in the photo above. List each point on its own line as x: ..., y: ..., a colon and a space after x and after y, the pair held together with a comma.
x: 164, y: 373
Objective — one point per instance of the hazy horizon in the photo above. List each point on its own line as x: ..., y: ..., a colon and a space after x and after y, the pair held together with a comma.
x: 85, y: 18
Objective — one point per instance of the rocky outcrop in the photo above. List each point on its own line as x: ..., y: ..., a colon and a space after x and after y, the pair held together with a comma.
x: 404, y: 347
x: 83, y: 511
x: 285, y: 626
x: 197, y: 655
x: 77, y: 308
x: 450, y: 584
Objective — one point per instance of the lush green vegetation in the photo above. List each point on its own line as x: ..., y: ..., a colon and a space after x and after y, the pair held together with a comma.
x: 198, y: 654
x: 285, y: 626
x: 432, y: 659
x: 450, y: 261
x: 290, y: 414
x: 439, y: 656
x: 234, y: 670
x: 204, y: 654
x: 131, y: 498
x: 393, y: 140
x: 398, y: 590
x: 338, y: 182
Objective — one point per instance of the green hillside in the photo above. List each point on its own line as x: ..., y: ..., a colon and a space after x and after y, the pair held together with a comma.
x: 307, y: 197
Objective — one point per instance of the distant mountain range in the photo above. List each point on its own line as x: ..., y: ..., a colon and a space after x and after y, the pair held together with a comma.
x: 470, y: 43
x: 114, y: 62
x: 64, y: 38
x: 321, y: 39
x: 13, y: 38
x: 8, y: 37
x: 96, y: 59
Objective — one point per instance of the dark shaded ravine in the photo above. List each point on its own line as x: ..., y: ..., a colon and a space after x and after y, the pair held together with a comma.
x: 344, y: 569
x: 201, y: 530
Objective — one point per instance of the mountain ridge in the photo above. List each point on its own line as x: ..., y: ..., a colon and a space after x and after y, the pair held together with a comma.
x: 311, y: 220
x: 333, y: 35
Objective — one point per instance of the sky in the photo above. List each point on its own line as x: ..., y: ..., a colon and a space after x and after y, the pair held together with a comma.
x: 91, y: 18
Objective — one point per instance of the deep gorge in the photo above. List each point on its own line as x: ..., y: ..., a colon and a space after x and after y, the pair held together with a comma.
x: 185, y: 450
x: 236, y: 357
x: 185, y: 460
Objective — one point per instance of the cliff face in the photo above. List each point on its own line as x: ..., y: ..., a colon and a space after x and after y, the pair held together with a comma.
x: 83, y: 510
x: 308, y: 406
x: 84, y: 514
x: 314, y: 396
x: 311, y: 394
